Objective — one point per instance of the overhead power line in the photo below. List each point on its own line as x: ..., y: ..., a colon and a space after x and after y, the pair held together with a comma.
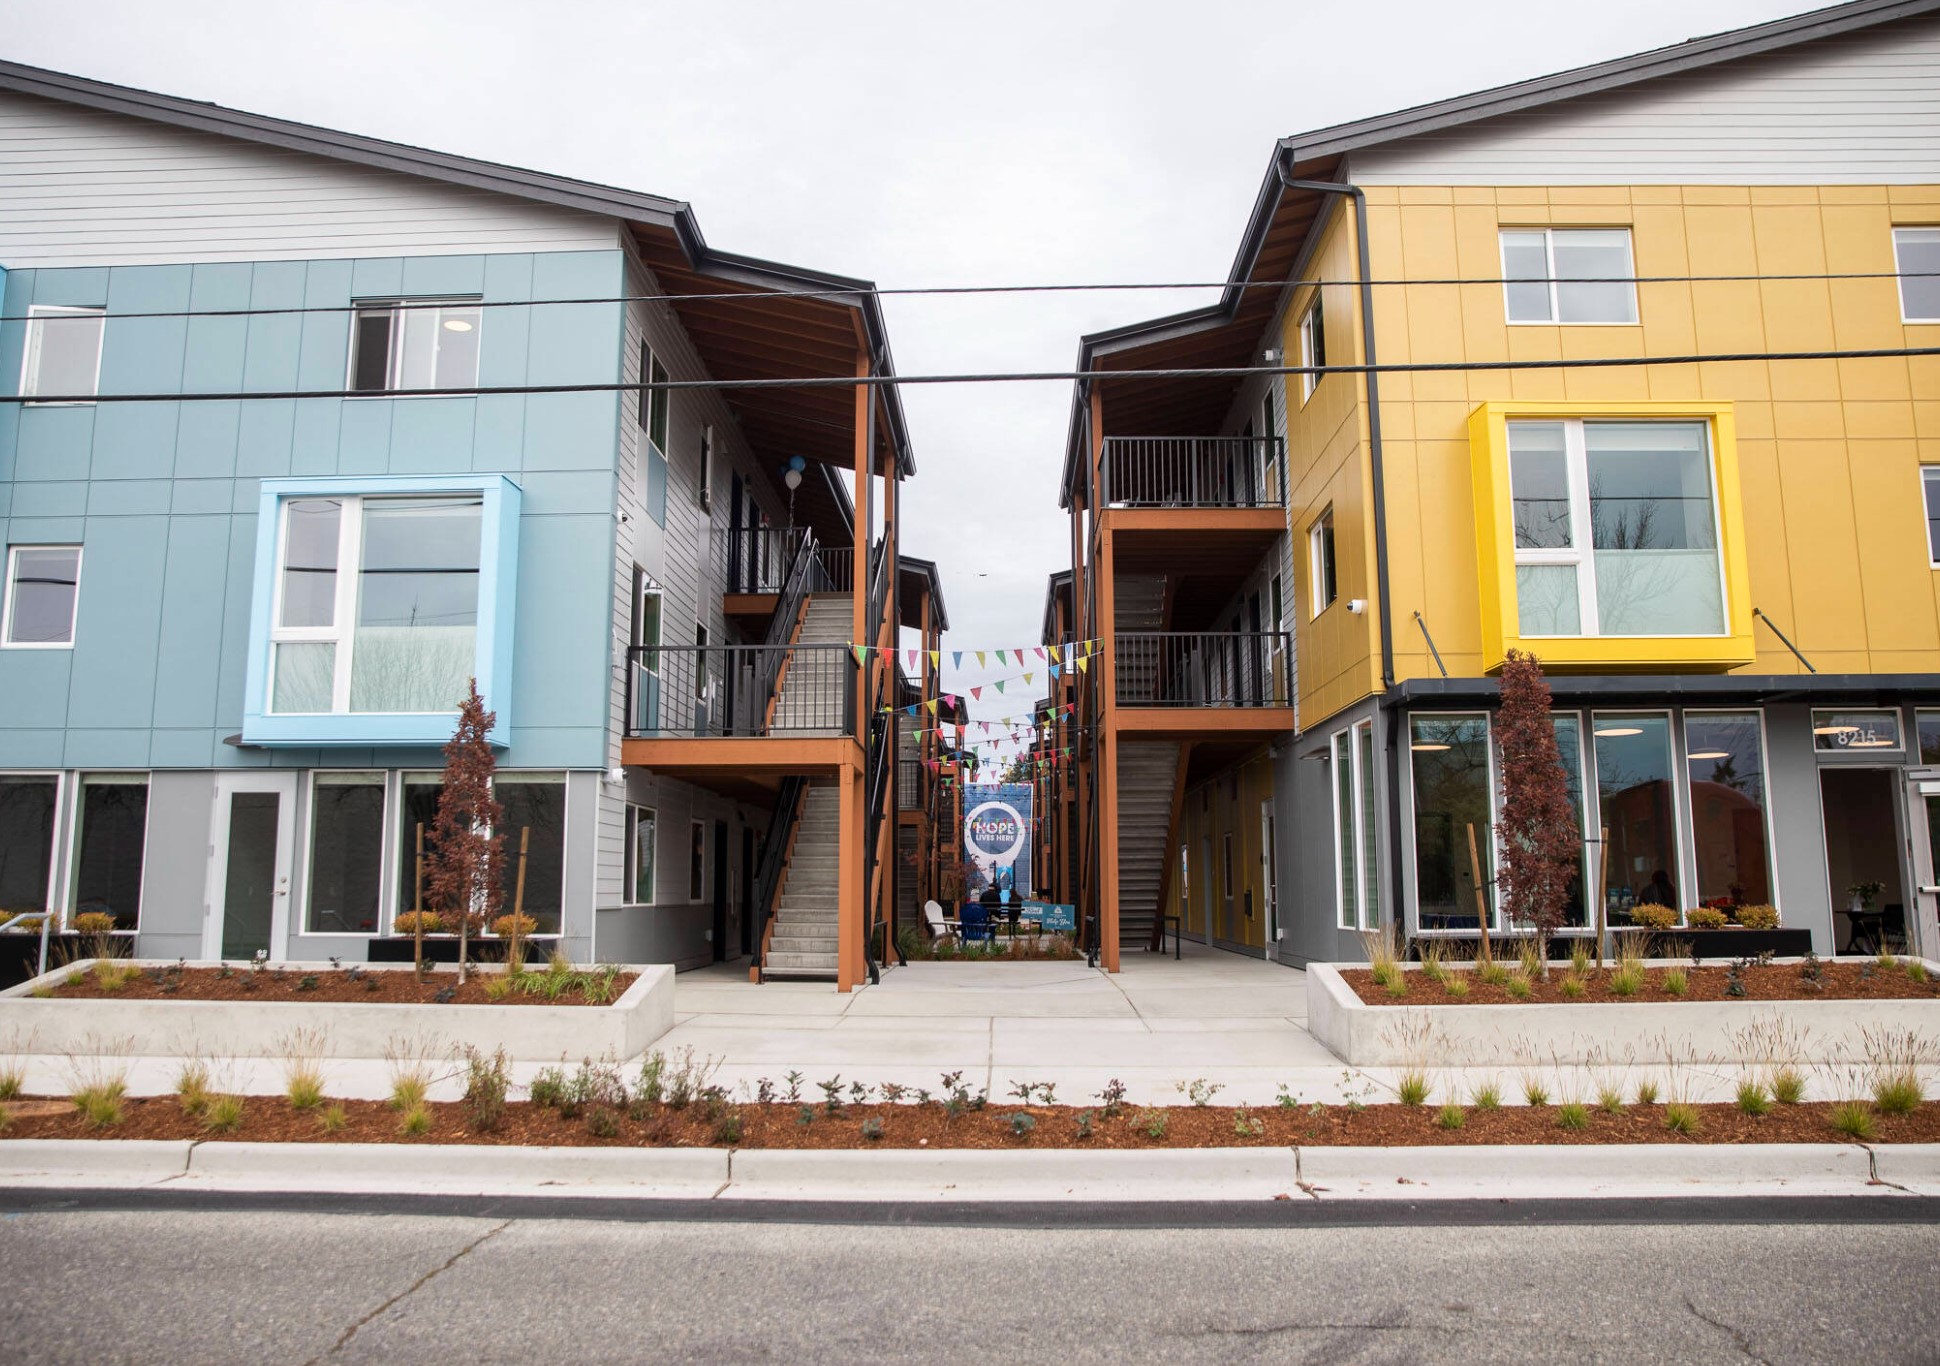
x: 1000, y: 377
x: 913, y: 291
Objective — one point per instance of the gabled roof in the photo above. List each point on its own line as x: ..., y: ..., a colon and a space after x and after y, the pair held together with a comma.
x: 923, y: 577
x: 1225, y: 333
x: 749, y: 338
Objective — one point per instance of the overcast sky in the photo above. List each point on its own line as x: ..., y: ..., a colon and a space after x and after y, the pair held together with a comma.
x: 909, y: 144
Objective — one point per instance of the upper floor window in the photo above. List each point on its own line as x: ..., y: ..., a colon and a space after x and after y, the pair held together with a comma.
x: 63, y: 355
x: 1616, y: 529
x: 43, y: 588
x: 414, y: 344
x: 653, y: 402
x: 1568, y: 275
x: 1313, y: 348
x: 376, y: 604
x: 1320, y: 546
x: 1917, y: 254
x: 1930, y: 482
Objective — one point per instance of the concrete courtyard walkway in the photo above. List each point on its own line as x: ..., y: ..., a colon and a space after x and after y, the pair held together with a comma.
x: 1237, y: 1022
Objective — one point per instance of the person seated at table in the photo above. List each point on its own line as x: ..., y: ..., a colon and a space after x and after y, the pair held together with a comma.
x: 1660, y: 890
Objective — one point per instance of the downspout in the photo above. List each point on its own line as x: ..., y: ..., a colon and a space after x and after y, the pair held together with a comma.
x: 1377, y: 475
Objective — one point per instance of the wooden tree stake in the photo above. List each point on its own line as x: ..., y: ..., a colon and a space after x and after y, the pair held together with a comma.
x: 1602, y: 892
x: 1481, y: 904
x: 417, y: 898
x: 515, y: 956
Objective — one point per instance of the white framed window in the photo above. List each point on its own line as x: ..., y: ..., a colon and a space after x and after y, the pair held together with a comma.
x: 398, y: 345
x: 1451, y: 799
x: 1313, y: 345
x: 1320, y: 555
x: 1640, y: 797
x: 1357, y: 882
x: 641, y: 829
x: 30, y: 812
x: 654, y: 403
x: 1616, y: 529
x: 63, y: 352
x: 532, y: 819
x: 110, y: 847
x: 1930, y: 489
x: 344, y: 886
x: 43, y: 594
x: 375, y: 604
x: 1731, y: 830
x: 1568, y: 275
x: 1916, y: 252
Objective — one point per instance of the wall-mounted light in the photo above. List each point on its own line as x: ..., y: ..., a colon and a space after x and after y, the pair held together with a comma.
x: 1271, y: 355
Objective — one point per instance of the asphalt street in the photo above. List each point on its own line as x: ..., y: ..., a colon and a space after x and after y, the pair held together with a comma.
x: 101, y: 1279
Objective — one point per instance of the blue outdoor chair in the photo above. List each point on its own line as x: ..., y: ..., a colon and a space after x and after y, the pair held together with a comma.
x: 976, y: 926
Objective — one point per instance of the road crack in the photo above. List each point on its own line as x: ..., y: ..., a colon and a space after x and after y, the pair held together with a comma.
x: 412, y: 1289
x: 1738, y: 1339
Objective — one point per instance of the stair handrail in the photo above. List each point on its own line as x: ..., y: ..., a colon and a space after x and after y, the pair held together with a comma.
x: 774, y: 860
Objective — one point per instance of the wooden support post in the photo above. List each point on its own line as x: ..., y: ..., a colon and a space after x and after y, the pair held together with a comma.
x: 1104, y: 668
x: 1602, y: 893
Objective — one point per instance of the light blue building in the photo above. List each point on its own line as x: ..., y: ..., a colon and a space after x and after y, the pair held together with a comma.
x: 234, y: 629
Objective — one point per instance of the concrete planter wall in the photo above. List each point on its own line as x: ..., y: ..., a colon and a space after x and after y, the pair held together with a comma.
x: 1578, y: 1032
x: 350, y: 1029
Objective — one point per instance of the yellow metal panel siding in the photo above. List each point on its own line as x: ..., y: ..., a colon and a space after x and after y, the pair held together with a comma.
x: 1828, y: 452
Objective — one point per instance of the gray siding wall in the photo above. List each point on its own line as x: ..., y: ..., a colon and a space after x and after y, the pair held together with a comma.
x: 682, y: 559
x: 1855, y: 109
x: 85, y: 187
x: 1304, y: 804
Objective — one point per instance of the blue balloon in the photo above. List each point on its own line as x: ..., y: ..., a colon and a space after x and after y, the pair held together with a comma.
x: 796, y: 462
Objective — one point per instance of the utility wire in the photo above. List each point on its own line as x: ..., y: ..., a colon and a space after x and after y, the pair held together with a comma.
x: 731, y: 296
x: 998, y: 377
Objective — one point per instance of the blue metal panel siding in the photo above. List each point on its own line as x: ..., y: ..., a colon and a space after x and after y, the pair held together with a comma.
x: 166, y: 497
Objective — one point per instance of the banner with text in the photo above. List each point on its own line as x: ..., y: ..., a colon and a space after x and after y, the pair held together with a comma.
x: 997, y: 837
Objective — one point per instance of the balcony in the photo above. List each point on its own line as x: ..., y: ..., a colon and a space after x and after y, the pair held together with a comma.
x: 1193, y: 472
x: 752, y: 567
x: 1185, y: 682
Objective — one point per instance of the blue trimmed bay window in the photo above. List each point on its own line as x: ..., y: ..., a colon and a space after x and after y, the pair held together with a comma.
x: 376, y: 599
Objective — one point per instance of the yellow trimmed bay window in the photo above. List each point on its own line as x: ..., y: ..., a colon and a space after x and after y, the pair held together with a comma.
x: 1611, y: 537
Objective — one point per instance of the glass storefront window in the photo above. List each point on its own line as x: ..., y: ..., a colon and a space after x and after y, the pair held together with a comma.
x: 533, y: 807
x: 28, y: 803
x: 1637, y: 804
x: 113, y: 835
x: 1569, y: 747
x: 1451, y: 764
x: 1725, y: 754
x: 1928, y: 724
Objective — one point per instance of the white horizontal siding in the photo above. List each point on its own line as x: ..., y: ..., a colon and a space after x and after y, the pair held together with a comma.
x: 1858, y: 109
x: 85, y: 187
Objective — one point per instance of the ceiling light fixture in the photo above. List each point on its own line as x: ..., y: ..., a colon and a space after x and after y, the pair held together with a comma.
x: 1425, y: 748
x: 1712, y: 754
x: 457, y: 325
x: 1835, y: 730
x: 1611, y: 731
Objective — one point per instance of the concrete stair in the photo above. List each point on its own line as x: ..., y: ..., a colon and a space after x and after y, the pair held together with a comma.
x: 814, y: 692
x: 1147, y: 773
x: 806, y: 939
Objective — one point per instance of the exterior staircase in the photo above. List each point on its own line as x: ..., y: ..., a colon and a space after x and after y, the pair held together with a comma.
x: 1138, y: 605
x: 1147, y: 774
x: 813, y: 691
x: 805, y: 936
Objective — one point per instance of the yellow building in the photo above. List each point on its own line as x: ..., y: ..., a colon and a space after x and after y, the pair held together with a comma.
x: 1581, y: 369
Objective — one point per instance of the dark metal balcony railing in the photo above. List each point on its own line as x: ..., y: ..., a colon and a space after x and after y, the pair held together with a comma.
x: 718, y: 691
x: 1194, y: 472
x: 755, y: 559
x: 1204, y: 668
x: 909, y: 784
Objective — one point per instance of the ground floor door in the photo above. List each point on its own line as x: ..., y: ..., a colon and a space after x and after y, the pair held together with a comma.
x: 1865, y: 849
x: 723, y: 894
x: 247, y: 908
x: 1923, y: 840
x: 1269, y: 883
x: 747, y: 889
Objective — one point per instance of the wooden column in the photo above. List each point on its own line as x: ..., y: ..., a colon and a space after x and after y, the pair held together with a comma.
x: 1105, y: 669
x: 849, y: 926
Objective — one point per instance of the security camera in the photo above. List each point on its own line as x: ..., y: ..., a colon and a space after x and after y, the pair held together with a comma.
x: 1357, y: 605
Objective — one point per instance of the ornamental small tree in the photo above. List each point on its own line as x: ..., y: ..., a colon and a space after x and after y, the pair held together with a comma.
x: 1542, y: 848
x: 463, y: 874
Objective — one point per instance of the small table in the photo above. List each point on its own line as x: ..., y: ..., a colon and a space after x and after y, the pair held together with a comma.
x: 1869, y: 926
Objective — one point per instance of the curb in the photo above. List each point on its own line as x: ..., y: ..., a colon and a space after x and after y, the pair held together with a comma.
x: 1328, y: 1175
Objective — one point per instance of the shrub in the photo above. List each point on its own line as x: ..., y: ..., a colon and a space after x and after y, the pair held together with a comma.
x: 1651, y: 916
x: 1626, y: 979
x: 508, y: 925
x: 1151, y: 1123
x: 1787, y: 1085
x: 1397, y: 983
x: 1706, y: 918
x: 1022, y: 1123
x: 1676, y: 981
x: 1487, y: 1096
x: 727, y: 1128
x: 602, y: 1122
x: 1455, y: 984
x: 1518, y: 985
x: 224, y: 1114
x: 1854, y: 1119
x: 1411, y: 1087
x: 302, y: 1072
x: 1571, y: 986
x: 192, y: 1086
x: 1609, y: 1098
x: 1580, y: 958
x: 101, y: 1109
x: 548, y: 1089
x: 1752, y: 1098
x: 1245, y: 1125
x: 1430, y: 953
x: 1534, y: 1091
x: 1646, y: 1091
x: 1893, y: 1058
x: 1898, y: 1094
x: 1451, y: 1116
x: 1681, y: 1117
x: 1758, y: 917
x: 1916, y: 971
x: 332, y: 1119
x: 1572, y: 1114
x: 415, y: 922
x: 415, y: 1122
x: 1491, y: 973
x: 94, y: 923
x: 487, y: 1079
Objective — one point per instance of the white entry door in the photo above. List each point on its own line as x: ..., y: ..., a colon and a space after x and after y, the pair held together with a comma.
x: 252, y: 838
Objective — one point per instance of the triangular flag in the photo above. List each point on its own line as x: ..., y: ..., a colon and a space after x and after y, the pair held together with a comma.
x: 950, y: 700
x: 912, y: 661
x: 1028, y: 678
x: 861, y: 655
x: 956, y: 659
x: 1084, y: 666
x: 977, y: 693
x: 936, y: 659
x: 980, y: 659
x: 1054, y: 671
x: 1054, y: 654
x: 931, y: 704
x: 1040, y: 651
x: 888, y: 655
x: 1000, y: 688
x: 1000, y: 657
x: 911, y: 709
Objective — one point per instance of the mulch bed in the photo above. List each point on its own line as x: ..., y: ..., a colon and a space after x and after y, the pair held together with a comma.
x: 1866, y: 981
x: 269, y: 1119
x: 351, y: 984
